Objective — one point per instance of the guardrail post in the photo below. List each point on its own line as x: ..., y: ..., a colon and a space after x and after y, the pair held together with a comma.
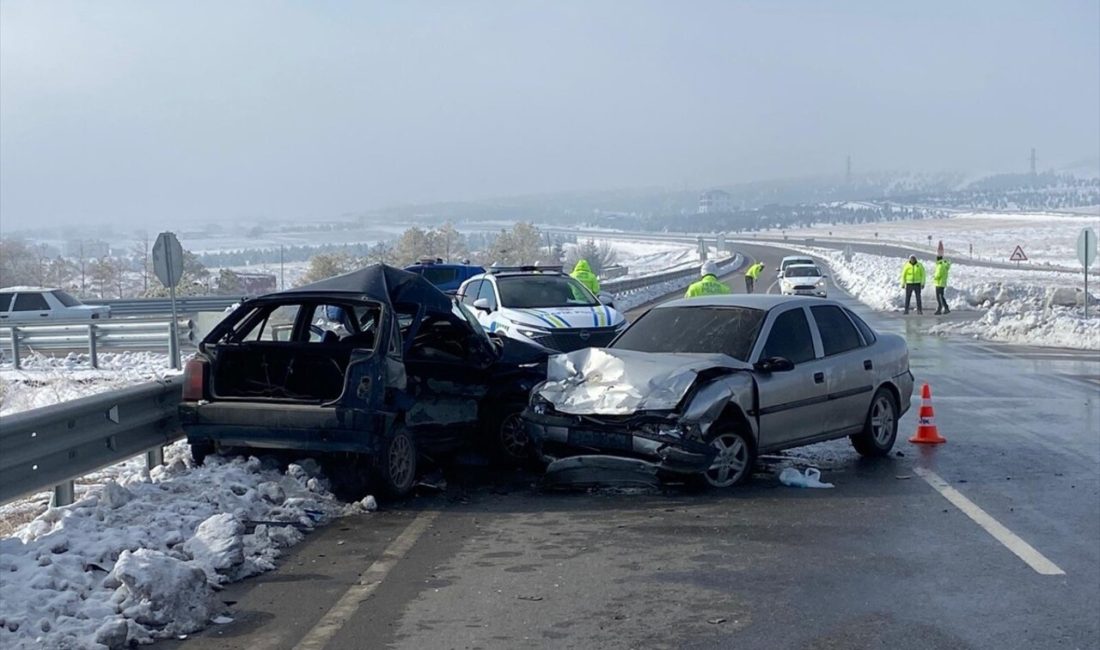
x: 63, y: 494
x: 173, y: 346
x: 154, y: 457
x: 92, y: 345
x: 15, y: 363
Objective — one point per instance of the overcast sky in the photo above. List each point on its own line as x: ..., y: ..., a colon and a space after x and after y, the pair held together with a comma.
x: 156, y: 111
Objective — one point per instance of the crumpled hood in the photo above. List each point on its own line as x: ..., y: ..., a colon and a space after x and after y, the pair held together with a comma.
x: 564, y: 317
x: 606, y: 381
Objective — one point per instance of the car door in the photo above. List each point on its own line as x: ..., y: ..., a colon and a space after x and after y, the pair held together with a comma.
x: 490, y: 319
x: 791, y: 403
x: 849, y: 367
x: 30, y: 306
x: 5, y: 305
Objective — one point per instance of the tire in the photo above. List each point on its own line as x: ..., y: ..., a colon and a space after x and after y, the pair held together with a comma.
x: 396, y: 465
x: 880, y: 429
x: 512, y: 443
x: 200, y: 450
x: 734, y: 463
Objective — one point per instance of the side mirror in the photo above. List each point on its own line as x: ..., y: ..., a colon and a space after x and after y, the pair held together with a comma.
x: 774, y: 364
x: 606, y: 299
x: 482, y: 304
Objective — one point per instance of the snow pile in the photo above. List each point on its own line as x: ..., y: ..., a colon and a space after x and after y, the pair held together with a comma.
x: 627, y: 300
x: 1026, y: 307
x: 44, y: 381
x: 140, y: 559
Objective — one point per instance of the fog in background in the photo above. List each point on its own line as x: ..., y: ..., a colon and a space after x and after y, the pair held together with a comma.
x: 150, y: 112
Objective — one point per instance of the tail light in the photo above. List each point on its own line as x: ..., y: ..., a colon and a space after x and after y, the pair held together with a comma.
x: 194, y: 380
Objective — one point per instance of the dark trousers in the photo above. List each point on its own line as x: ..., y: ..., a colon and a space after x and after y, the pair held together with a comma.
x: 941, y: 302
x: 910, y: 289
x: 749, y: 281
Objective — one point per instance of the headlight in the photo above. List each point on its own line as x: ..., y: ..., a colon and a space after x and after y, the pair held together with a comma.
x: 821, y: 282
x: 531, y: 332
x: 539, y: 404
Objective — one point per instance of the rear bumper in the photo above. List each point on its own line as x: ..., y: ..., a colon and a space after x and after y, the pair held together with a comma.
x: 282, y: 426
x: 557, y: 437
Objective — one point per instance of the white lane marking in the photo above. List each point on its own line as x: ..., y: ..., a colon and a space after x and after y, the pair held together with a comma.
x: 1009, y: 539
x: 326, y: 628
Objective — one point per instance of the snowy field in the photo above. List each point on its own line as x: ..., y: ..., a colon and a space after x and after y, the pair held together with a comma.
x: 1046, y: 238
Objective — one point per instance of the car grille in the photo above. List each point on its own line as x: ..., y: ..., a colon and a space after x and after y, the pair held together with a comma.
x: 569, y: 340
x: 804, y: 287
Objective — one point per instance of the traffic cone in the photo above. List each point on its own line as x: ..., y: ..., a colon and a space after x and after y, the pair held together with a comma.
x: 927, y: 432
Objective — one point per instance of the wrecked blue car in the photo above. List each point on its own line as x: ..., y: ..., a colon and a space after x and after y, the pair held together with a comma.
x: 369, y: 371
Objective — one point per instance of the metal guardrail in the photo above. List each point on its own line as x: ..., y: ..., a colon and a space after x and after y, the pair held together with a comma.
x: 53, y: 445
x: 163, y: 306
x: 122, y: 334
x: 620, y: 286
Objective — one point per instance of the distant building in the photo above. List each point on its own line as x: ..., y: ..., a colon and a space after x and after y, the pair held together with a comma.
x: 255, y: 284
x: 713, y: 201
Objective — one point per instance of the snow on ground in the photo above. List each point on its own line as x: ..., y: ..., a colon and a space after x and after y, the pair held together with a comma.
x: 45, y: 380
x: 140, y: 557
x: 1025, y: 307
x: 1046, y: 238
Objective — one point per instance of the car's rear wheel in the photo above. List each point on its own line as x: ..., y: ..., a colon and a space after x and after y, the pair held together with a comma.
x: 733, y: 464
x: 880, y: 430
x: 397, y: 464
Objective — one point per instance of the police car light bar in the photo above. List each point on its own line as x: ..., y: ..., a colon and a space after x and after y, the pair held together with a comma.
x: 527, y: 268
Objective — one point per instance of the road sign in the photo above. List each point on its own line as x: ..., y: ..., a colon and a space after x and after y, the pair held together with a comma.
x: 1018, y: 255
x: 168, y: 259
x: 168, y: 265
x: 1086, y: 247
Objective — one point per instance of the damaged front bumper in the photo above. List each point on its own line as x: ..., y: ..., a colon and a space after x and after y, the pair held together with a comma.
x: 556, y: 437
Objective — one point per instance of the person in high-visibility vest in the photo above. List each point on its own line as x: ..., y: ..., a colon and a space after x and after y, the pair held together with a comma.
x: 582, y: 273
x: 708, y: 284
x: 939, y: 278
x: 751, y: 275
x: 912, y: 280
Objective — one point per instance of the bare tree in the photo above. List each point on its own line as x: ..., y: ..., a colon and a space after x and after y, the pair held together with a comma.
x: 599, y: 256
x: 140, y: 251
x: 326, y: 265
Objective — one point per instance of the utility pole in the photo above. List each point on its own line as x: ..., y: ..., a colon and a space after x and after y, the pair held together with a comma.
x: 282, y: 270
x: 848, y: 172
x: 1033, y: 172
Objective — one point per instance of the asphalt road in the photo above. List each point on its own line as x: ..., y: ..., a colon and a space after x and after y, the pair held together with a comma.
x: 989, y: 541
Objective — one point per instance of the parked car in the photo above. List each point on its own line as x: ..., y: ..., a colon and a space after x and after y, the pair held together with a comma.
x: 701, y: 387
x: 790, y: 260
x: 542, y: 305
x: 370, y: 370
x: 803, y: 280
x: 27, y: 305
x: 446, y: 277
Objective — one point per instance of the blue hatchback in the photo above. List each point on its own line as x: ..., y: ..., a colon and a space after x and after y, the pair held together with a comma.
x: 446, y: 277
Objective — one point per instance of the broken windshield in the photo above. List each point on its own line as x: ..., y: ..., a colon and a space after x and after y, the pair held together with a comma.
x: 723, y: 330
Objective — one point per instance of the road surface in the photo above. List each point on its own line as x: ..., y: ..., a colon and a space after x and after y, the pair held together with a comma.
x: 989, y: 541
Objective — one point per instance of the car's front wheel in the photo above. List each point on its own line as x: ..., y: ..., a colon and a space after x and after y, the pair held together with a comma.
x: 512, y: 439
x: 397, y: 464
x: 734, y: 461
x: 880, y: 429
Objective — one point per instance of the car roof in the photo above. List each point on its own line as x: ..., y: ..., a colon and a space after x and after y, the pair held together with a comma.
x: 804, y: 266
x: 797, y: 257
x: 28, y: 289
x: 512, y: 274
x: 764, y: 301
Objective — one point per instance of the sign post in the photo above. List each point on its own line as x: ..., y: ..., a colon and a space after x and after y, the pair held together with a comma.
x: 939, y: 249
x: 1086, y: 254
x: 168, y: 266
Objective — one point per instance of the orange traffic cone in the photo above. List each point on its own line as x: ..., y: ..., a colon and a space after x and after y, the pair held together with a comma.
x: 927, y: 432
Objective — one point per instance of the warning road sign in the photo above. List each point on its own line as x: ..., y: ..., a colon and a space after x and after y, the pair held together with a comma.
x: 1018, y: 255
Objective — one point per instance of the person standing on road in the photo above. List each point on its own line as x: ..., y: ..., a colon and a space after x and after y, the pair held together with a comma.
x: 582, y: 273
x: 708, y: 284
x: 939, y: 278
x: 912, y: 280
x: 751, y: 275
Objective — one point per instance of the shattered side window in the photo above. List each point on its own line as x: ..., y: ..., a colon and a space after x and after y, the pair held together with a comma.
x: 266, y: 323
x: 722, y: 330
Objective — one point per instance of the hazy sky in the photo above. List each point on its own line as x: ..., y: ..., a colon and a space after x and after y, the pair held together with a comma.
x: 138, y: 111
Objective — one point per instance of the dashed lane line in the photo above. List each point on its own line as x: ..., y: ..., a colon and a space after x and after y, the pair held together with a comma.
x: 1009, y: 539
x: 326, y: 628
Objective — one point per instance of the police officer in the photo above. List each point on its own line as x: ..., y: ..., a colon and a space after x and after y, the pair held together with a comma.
x: 751, y: 275
x: 912, y: 280
x: 708, y: 284
x: 939, y: 278
x: 582, y: 273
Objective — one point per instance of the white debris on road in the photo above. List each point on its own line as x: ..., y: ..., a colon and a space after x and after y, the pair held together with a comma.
x: 138, y: 558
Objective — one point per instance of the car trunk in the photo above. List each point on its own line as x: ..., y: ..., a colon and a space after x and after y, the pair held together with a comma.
x: 306, y: 373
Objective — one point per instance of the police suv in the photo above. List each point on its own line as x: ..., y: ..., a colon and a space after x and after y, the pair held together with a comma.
x: 542, y: 305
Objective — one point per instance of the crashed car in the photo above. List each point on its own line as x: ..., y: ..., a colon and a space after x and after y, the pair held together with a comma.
x: 700, y: 387
x: 368, y: 370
